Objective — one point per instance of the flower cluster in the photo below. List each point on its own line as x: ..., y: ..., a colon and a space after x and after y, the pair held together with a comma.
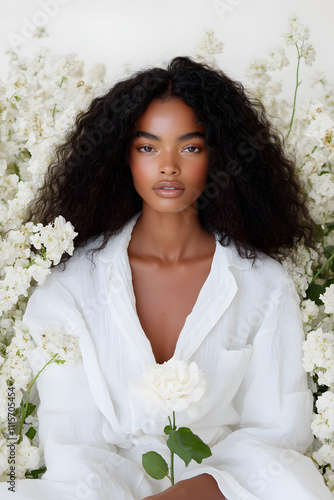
x: 16, y: 376
x: 309, y: 129
x: 38, y: 104
x: 208, y: 47
x: 55, y: 340
x: 277, y: 59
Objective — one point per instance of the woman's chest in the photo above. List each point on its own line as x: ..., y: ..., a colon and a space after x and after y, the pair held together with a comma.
x: 165, y: 296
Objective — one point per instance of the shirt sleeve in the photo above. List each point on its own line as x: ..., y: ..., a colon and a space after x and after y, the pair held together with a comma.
x: 81, y: 464
x: 262, y: 459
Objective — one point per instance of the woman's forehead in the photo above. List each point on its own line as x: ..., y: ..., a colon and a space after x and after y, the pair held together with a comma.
x: 163, y: 115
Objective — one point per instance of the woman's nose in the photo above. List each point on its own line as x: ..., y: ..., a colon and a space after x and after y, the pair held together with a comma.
x: 169, y: 166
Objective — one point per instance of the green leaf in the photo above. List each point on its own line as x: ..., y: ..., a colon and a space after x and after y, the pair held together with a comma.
x: 155, y: 465
x: 314, y: 291
x: 30, y: 409
x: 329, y: 227
x: 199, y: 449
x: 328, y: 251
x: 176, y: 445
x: 31, y: 433
x: 184, y: 443
x: 36, y: 473
x: 168, y: 429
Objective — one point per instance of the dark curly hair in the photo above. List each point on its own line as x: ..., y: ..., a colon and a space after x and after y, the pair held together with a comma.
x: 252, y: 195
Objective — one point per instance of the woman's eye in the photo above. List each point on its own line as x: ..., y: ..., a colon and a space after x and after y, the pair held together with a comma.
x: 145, y: 149
x: 193, y: 149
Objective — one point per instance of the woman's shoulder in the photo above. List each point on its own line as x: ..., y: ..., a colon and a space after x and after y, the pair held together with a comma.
x: 262, y: 271
x: 90, y: 260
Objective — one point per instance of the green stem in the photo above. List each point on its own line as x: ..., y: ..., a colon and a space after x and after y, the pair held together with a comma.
x: 295, y: 95
x: 25, y: 409
x: 173, y: 426
x: 172, y: 468
x: 328, y: 261
x: 326, y: 275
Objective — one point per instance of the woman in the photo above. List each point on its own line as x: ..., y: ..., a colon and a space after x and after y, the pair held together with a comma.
x: 182, y: 198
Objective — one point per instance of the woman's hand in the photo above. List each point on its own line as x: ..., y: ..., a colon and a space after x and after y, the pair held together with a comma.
x: 203, y: 487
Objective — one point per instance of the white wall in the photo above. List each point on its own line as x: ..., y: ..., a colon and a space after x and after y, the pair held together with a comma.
x: 142, y: 32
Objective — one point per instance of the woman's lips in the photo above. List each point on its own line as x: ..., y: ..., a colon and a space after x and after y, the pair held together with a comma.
x: 169, y: 189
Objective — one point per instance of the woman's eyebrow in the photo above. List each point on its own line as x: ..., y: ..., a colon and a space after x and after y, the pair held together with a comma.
x: 190, y: 135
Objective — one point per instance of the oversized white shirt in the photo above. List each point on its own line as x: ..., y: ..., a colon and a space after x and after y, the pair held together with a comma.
x: 245, y: 334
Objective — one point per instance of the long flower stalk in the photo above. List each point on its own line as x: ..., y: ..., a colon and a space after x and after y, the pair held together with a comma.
x: 295, y: 94
x: 328, y: 261
x: 25, y: 408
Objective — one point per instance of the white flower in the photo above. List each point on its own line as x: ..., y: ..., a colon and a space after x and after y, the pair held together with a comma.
x: 321, y: 196
x: 27, y: 457
x: 297, y: 32
x: 22, y: 340
x: 310, y: 310
x: 17, y: 369
x: 209, y: 46
x: 323, y: 421
x: 299, y: 266
x: 15, y: 283
x: 321, y: 127
x: 65, y: 66
x: 17, y: 206
x: 4, y: 397
x: 173, y: 386
x: 3, y: 456
x: 324, y: 455
x: 277, y: 59
x: 55, y: 340
x: 3, y: 167
x: 309, y: 54
x: 328, y: 299
x: 319, y: 356
x: 40, y: 269
x: 329, y: 478
x: 57, y: 239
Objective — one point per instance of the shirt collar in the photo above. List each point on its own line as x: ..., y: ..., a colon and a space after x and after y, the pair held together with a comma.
x: 120, y: 242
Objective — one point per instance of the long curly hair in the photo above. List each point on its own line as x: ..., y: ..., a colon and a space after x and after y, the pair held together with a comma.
x: 252, y: 197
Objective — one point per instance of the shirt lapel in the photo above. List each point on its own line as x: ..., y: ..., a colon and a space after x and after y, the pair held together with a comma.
x: 214, y: 298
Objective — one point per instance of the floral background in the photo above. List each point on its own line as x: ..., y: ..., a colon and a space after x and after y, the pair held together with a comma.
x: 39, y: 99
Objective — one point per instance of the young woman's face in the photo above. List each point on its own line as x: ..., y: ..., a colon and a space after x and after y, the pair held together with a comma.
x: 168, y: 158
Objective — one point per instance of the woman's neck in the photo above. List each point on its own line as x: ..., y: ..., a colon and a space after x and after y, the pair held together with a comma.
x: 169, y: 237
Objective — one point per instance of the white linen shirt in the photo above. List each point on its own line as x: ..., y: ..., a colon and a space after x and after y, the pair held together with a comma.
x: 244, y: 332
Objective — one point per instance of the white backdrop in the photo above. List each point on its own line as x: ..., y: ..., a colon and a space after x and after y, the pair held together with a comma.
x: 142, y: 32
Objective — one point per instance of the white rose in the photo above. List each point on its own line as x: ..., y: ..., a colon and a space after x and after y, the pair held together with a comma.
x: 173, y: 386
